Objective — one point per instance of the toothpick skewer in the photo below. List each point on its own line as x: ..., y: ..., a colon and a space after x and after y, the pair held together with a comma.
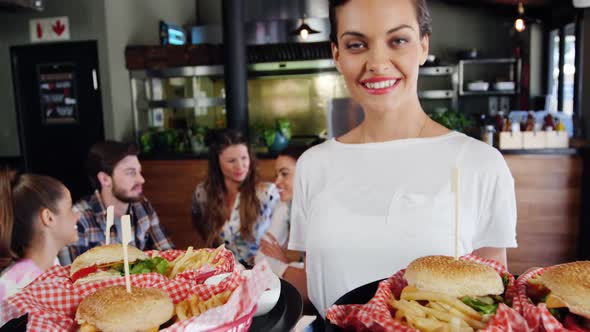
x: 126, y: 237
x: 456, y: 184
x: 110, y: 221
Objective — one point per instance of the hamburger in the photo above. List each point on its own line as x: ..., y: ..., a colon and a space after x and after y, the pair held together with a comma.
x: 113, y: 309
x: 105, y: 262
x: 565, y: 290
x: 447, y: 293
x: 477, y: 285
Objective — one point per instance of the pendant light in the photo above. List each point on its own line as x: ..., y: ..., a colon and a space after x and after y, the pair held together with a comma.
x: 304, y: 30
x: 519, y: 24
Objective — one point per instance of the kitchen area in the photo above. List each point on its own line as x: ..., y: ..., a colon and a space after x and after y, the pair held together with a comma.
x: 166, y: 75
x: 469, y: 83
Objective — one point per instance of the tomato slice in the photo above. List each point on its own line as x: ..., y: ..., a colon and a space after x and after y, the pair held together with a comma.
x: 83, y: 272
x: 570, y: 322
x: 536, y: 291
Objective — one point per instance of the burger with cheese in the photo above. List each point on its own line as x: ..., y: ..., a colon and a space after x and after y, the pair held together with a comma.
x: 565, y: 290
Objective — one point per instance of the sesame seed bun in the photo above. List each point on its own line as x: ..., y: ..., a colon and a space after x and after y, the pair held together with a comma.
x: 113, y: 309
x: 457, y: 278
x: 570, y: 283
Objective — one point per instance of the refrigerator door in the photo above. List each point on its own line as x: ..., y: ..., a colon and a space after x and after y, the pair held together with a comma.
x: 59, y: 109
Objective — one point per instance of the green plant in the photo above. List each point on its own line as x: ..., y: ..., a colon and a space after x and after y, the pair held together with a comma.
x: 198, y: 133
x: 267, y: 135
x: 452, y: 119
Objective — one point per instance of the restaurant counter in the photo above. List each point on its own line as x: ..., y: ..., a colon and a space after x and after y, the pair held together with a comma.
x: 548, y: 193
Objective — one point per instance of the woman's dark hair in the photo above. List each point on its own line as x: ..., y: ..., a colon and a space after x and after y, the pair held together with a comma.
x: 422, y: 16
x: 22, y: 197
x: 293, y: 151
x: 216, y: 206
x: 104, y: 156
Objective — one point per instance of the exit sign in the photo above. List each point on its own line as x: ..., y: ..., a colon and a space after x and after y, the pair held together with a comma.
x: 49, y: 29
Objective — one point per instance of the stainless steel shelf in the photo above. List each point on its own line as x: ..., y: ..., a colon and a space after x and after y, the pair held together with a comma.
x: 292, y: 65
x: 177, y: 72
x: 488, y: 93
x: 489, y: 61
x: 181, y: 103
x: 265, y: 67
x: 513, y: 66
x: 437, y: 71
x: 436, y: 94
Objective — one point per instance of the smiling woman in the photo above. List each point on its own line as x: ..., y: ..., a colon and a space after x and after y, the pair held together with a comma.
x: 382, y: 192
x: 232, y: 206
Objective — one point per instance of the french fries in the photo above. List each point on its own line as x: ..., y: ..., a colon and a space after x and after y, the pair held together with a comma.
x: 439, y: 297
x: 193, y: 260
x: 435, y: 312
x: 194, y: 306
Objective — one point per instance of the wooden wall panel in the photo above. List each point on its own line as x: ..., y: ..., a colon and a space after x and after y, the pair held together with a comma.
x: 169, y: 185
x: 548, y: 195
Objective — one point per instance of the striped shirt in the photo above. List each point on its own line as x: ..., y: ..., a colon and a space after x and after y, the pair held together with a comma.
x: 91, y: 226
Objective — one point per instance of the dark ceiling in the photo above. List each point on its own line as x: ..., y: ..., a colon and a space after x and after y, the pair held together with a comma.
x: 531, y: 3
x: 525, y: 2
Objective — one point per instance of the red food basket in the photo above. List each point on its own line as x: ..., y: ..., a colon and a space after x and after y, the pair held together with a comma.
x: 375, y: 314
x: 537, y: 316
x: 52, y: 299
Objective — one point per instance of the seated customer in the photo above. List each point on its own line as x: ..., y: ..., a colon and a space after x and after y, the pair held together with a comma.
x: 36, y: 221
x: 285, y: 263
x: 115, y: 173
x: 232, y: 206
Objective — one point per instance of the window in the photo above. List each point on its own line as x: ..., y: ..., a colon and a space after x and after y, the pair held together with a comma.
x: 553, y: 69
x: 562, y: 68
x: 569, y: 69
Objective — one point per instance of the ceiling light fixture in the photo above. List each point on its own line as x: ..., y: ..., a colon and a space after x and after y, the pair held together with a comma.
x: 304, y: 30
x: 519, y: 23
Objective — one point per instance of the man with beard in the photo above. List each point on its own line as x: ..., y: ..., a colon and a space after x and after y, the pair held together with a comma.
x: 115, y: 173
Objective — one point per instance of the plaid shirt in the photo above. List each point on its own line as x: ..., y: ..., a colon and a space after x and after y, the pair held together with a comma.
x: 91, y: 226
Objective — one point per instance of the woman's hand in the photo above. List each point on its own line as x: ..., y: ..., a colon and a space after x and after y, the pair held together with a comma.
x: 272, y: 248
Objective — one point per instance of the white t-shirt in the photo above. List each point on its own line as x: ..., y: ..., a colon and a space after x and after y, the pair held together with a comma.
x: 362, y: 212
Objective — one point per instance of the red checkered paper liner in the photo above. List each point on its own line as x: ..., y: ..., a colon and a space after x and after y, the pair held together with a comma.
x: 245, y: 294
x: 538, y: 316
x: 375, y: 315
x: 52, y: 299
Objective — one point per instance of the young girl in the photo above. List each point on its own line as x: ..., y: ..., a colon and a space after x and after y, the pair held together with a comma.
x: 36, y: 221
x: 232, y: 206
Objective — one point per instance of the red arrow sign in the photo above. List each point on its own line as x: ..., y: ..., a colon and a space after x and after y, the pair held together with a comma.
x: 58, y: 28
x: 39, y: 31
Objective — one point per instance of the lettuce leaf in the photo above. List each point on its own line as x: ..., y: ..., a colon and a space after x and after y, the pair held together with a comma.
x: 480, y: 306
x: 156, y: 264
x: 505, y: 280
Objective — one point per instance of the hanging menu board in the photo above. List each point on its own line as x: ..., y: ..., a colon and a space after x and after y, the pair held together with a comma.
x: 57, y: 91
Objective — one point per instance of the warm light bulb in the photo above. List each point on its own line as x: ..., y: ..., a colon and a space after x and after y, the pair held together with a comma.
x: 519, y: 25
x: 304, y: 34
